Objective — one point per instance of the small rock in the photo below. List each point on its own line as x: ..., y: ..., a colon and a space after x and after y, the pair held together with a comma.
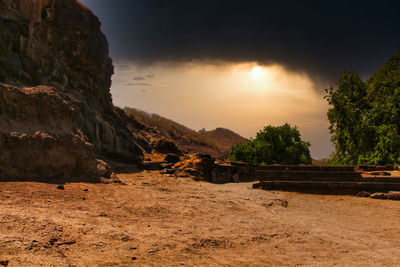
x: 103, y: 169
x: 172, y: 158
x: 363, y: 194
x: 60, y: 187
x: 257, y: 185
x: 394, y: 195
x: 166, y: 165
x: 379, y: 196
x: 203, y: 156
x: 182, y: 175
x: 4, y: 263
x: 279, y: 202
x: 133, y: 258
x: 153, y: 165
x: 168, y: 171
x: 125, y: 238
x: 85, y: 190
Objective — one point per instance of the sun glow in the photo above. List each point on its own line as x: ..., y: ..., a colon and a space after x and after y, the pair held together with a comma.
x: 257, y: 73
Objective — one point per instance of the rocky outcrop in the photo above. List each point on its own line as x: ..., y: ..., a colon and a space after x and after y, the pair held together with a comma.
x: 56, y: 111
x: 56, y: 43
x: 40, y: 137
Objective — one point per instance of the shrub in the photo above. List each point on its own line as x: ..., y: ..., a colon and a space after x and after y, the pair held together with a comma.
x: 273, y: 145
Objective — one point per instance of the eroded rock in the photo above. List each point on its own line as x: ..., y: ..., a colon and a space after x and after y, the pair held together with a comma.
x: 56, y: 113
x: 363, y: 194
x: 164, y: 146
x: 394, y: 195
x: 379, y: 196
x: 172, y: 158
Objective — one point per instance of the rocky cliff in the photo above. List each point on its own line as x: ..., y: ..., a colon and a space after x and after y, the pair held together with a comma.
x: 56, y: 111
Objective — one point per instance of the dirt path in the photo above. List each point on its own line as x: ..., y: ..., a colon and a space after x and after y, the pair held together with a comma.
x: 156, y: 220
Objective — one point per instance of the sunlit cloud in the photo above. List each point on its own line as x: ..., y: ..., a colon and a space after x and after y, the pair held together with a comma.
x: 139, y: 78
x: 243, y: 97
x: 138, y: 84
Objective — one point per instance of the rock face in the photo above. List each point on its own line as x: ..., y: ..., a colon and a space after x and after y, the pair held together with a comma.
x: 56, y: 111
x: 56, y: 43
x: 40, y: 137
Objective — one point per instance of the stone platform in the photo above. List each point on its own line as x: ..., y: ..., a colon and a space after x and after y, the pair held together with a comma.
x: 323, y: 180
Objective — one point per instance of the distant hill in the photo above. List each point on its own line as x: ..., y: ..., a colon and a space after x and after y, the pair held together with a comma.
x: 217, y: 142
x: 224, y: 138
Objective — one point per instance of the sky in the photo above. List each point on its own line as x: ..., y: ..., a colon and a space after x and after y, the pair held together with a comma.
x: 243, y: 64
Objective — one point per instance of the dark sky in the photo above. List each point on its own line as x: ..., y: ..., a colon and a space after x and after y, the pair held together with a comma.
x: 321, y: 38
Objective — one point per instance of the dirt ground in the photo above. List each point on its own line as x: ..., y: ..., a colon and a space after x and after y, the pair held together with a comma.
x: 156, y: 220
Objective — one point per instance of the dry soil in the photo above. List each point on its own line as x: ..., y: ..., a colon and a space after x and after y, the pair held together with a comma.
x: 156, y: 220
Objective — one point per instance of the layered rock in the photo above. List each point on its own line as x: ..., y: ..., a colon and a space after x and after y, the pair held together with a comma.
x: 56, y: 111
x: 56, y: 43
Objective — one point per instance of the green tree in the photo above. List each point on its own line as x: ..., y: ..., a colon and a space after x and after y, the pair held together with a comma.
x: 365, y: 116
x: 273, y: 145
x: 347, y: 114
x: 384, y: 114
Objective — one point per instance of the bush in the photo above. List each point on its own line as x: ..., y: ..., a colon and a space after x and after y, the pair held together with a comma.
x: 273, y: 145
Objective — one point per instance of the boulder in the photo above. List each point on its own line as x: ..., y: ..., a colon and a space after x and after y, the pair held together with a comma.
x: 205, y: 166
x: 168, y: 171
x: 379, y: 196
x: 172, y: 158
x: 363, y: 194
x: 394, y: 195
x: 41, y: 156
x: 164, y: 146
x: 203, y: 156
x: 154, y: 165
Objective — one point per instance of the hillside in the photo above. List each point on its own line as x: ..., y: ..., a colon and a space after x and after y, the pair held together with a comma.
x: 225, y: 138
x: 216, y: 142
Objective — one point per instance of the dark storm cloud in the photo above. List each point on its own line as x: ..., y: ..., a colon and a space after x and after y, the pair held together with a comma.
x: 321, y: 38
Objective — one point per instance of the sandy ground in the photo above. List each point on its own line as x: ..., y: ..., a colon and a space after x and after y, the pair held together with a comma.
x: 157, y: 220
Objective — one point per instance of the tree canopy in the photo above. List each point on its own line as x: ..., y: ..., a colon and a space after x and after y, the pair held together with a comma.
x: 365, y: 116
x: 273, y: 145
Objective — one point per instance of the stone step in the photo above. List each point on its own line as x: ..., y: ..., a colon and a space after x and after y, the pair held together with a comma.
x: 381, y: 179
x: 335, y: 188
x: 370, y: 168
x: 304, y: 168
x: 266, y: 175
